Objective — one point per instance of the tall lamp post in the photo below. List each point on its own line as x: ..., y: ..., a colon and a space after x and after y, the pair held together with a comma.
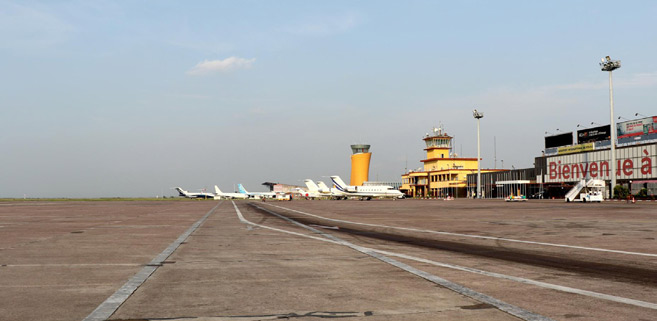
x: 477, y: 115
x: 610, y: 65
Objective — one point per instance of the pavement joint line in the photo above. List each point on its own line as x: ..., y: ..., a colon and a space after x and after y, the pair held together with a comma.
x: 105, y: 310
x: 503, y: 306
x: 473, y: 236
x: 561, y: 288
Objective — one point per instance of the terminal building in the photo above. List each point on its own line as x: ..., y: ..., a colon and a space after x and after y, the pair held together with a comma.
x: 566, y: 161
x: 443, y: 174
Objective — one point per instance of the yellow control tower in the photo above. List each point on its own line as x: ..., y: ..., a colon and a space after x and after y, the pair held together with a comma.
x: 360, y: 164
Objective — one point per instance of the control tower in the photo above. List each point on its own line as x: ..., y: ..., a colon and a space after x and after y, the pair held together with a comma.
x: 360, y: 164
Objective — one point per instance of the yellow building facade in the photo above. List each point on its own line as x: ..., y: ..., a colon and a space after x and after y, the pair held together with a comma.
x: 360, y: 164
x: 443, y: 175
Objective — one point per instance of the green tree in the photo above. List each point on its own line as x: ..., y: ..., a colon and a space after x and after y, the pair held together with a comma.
x: 621, y: 192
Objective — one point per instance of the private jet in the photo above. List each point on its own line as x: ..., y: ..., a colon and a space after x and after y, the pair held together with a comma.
x: 203, y: 195
x: 333, y: 193
x: 221, y: 194
x: 366, y: 192
x: 242, y: 190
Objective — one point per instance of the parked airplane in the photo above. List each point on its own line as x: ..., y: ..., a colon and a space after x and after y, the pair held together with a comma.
x: 242, y: 190
x: 366, y: 192
x: 219, y: 193
x: 331, y: 192
x: 322, y: 187
x: 312, y: 190
x: 184, y: 193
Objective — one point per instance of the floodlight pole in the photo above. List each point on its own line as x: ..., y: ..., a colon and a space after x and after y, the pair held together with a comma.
x: 477, y: 115
x: 610, y: 65
x: 613, y: 133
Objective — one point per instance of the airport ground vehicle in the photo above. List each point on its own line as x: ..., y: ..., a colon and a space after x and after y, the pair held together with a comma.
x: 591, y: 190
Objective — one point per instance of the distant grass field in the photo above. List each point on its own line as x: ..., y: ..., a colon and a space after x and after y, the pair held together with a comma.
x: 101, y: 199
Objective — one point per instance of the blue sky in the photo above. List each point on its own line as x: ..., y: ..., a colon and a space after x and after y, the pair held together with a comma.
x: 131, y: 98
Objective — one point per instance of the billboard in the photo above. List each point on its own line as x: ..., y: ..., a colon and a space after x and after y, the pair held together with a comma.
x: 635, y: 162
x: 637, y: 127
x: 594, y: 134
x: 559, y: 140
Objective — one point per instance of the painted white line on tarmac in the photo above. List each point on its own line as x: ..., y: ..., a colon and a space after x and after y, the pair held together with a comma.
x: 503, y: 306
x: 245, y: 221
x: 561, y: 288
x: 71, y: 265
x: 556, y: 287
x: 105, y: 310
x: 473, y: 236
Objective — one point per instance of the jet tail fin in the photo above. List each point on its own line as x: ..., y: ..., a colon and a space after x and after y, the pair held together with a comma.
x: 312, y: 187
x: 181, y: 192
x: 339, y: 183
x: 217, y: 190
x: 322, y: 186
x: 241, y: 189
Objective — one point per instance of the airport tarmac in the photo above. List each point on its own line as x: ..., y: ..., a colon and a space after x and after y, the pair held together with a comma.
x: 377, y: 260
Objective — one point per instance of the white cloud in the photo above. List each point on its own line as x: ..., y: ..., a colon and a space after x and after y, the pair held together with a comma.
x: 228, y: 64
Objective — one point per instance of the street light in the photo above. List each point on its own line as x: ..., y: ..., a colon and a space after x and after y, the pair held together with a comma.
x: 610, y: 65
x: 637, y: 114
x: 477, y: 115
x: 621, y: 117
x: 580, y: 125
x: 594, y: 123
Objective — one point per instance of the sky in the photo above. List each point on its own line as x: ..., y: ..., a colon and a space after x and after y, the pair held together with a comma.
x: 132, y: 98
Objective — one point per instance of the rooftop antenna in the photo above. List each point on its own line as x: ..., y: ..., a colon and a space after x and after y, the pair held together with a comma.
x: 451, y: 147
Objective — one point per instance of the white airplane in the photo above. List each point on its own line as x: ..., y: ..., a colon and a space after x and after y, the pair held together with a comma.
x: 312, y: 190
x: 219, y: 193
x: 366, y: 192
x: 242, y: 190
x: 331, y: 192
x: 184, y: 193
